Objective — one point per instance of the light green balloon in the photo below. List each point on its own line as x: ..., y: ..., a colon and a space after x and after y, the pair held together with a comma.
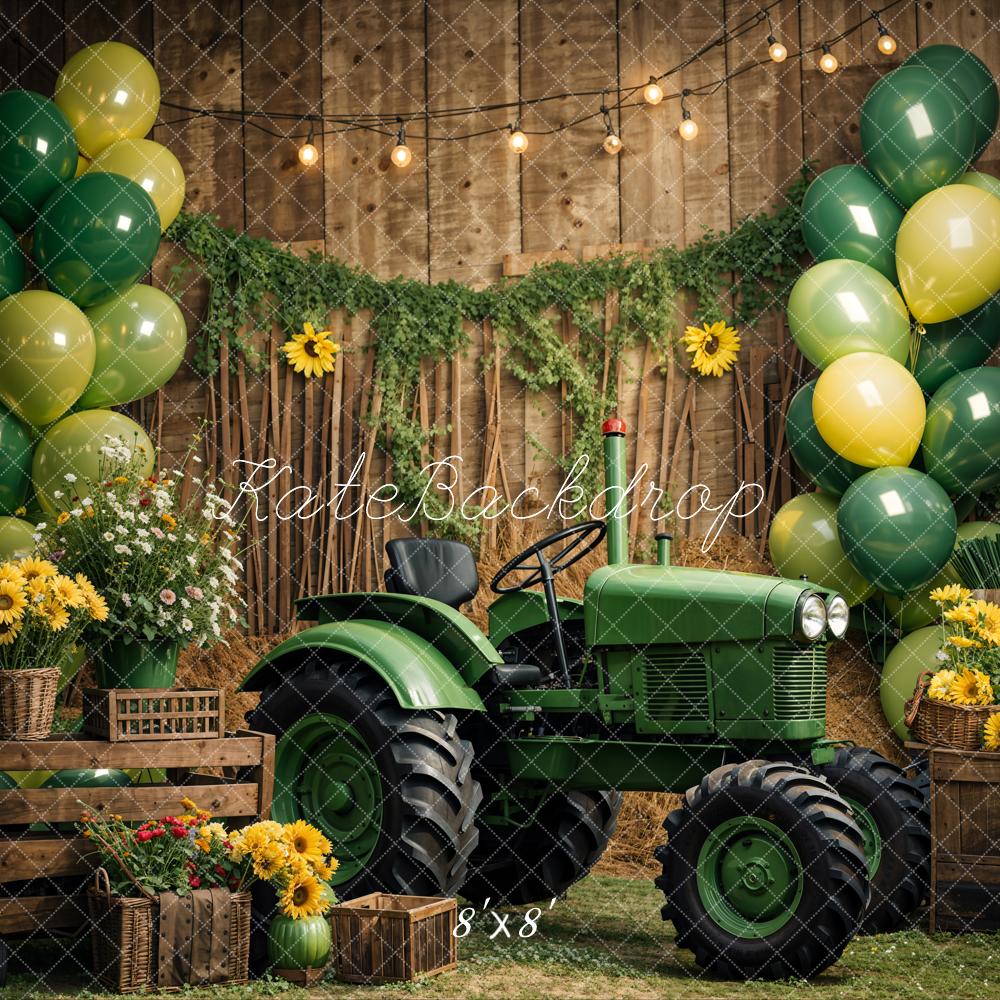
x: 73, y: 446
x: 841, y: 307
x: 985, y: 182
x: 803, y: 542
x: 914, y: 654
x: 140, y: 338
x: 16, y: 538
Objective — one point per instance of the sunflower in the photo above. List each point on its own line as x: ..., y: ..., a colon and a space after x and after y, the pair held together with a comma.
x: 37, y: 589
x: 964, y: 614
x: 12, y: 601
x: 971, y: 687
x: 66, y: 592
x: 55, y: 615
x: 268, y: 860
x: 96, y: 605
x: 715, y: 348
x: 303, y: 897
x: 963, y: 642
x: 9, y: 571
x: 306, y: 841
x: 951, y: 594
x: 311, y: 352
x: 8, y: 632
x: 940, y: 686
x: 991, y: 732
x: 33, y: 568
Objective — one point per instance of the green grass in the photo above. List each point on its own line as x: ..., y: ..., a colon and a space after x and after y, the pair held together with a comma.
x: 607, y: 940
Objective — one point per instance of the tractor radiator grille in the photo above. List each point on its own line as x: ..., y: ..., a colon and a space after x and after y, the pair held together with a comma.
x: 675, y: 686
x: 800, y: 681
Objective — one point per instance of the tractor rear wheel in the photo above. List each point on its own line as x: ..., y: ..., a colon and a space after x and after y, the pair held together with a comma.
x: 892, y: 813
x: 542, y: 857
x: 764, y: 872
x: 392, y: 788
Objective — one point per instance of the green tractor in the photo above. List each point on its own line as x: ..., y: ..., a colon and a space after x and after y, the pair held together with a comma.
x: 441, y: 760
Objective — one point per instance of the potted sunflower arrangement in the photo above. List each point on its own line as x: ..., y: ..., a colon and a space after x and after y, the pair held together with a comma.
x: 958, y: 703
x: 43, y: 613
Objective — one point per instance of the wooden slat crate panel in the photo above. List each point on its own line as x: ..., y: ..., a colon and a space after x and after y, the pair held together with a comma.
x: 117, y: 714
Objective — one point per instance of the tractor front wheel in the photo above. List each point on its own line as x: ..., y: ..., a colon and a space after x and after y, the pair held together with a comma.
x: 391, y: 788
x: 764, y: 872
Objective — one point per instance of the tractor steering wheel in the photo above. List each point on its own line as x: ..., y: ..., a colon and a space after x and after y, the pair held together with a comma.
x: 581, y: 539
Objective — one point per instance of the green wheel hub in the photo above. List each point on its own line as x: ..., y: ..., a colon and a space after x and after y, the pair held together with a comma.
x: 325, y: 774
x: 869, y: 834
x: 749, y: 877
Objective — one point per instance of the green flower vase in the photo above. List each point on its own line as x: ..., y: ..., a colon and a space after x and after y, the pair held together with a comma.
x: 299, y: 944
x: 131, y: 663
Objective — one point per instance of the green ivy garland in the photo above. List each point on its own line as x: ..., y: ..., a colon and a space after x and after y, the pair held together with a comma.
x: 255, y: 285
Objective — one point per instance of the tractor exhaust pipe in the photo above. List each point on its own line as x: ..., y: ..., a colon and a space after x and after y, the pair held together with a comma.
x: 614, y: 490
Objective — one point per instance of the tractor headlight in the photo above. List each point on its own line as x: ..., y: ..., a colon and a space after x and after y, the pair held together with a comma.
x: 837, y: 616
x: 812, y: 617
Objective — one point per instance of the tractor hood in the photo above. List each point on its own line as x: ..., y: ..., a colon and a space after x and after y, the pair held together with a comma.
x: 636, y: 605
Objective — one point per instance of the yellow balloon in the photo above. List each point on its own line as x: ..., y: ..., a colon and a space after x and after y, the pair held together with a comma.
x: 946, y: 252
x: 81, y: 165
x: 153, y: 167
x: 869, y: 409
x: 109, y: 92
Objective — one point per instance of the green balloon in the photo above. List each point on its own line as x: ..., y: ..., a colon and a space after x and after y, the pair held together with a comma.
x: 79, y: 777
x: 898, y: 528
x: 840, y: 307
x: 847, y: 213
x: 73, y: 446
x: 46, y: 355
x: 16, y: 538
x: 909, y: 658
x: 141, y: 338
x: 985, y: 182
x: 11, y: 262
x: 961, y: 442
x: 956, y: 345
x: 916, y: 132
x: 96, y: 237
x: 37, y: 153
x: 15, y: 462
x: 972, y: 77
x: 803, y: 542
x: 831, y: 472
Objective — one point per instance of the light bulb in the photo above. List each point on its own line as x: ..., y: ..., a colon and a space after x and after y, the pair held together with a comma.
x: 308, y: 154
x: 612, y: 144
x: 652, y: 93
x: 828, y: 61
x: 776, y: 50
x: 518, y: 141
x: 688, y: 127
x: 886, y: 43
x: 401, y: 155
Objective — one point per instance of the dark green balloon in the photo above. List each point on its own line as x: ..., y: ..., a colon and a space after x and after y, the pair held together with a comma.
x: 956, y: 345
x: 822, y: 465
x: 37, y: 153
x: 916, y: 132
x: 897, y: 527
x: 11, y: 262
x: 78, y: 777
x: 961, y: 442
x: 96, y: 237
x: 847, y: 213
x: 15, y: 462
x: 972, y: 77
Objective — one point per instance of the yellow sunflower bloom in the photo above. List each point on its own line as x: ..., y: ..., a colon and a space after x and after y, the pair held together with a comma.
x: 310, y: 352
x: 303, y: 897
x: 9, y: 631
x: 11, y: 572
x: 940, y: 686
x: 951, y: 594
x: 37, y: 589
x: 991, y: 732
x: 268, y: 860
x: 714, y: 348
x: 963, y: 642
x: 34, y: 568
x: 306, y: 841
x: 64, y: 590
x: 964, y: 614
x: 96, y: 605
x: 971, y: 687
x: 55, y: 615
x: 12, y: 601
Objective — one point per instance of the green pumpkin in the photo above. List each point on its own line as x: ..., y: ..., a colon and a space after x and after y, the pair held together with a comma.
x: 299, y: 944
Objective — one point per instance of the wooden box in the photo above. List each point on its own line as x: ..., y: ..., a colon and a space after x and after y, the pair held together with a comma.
x: 384, y: 938
x: 965, y: 833
x: 124, y: 714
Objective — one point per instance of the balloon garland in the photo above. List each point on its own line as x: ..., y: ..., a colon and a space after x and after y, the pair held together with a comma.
x: 91, y: 196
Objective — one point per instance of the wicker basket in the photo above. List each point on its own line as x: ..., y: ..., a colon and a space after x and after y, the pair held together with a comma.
x: 939, y: 724
x: 28, y: 703
x: 122, y: 938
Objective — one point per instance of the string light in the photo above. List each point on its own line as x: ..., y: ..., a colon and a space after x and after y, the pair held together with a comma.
x: 777, y: 51
x: 612, y: 142
x: 828, y: 61
x: 652, y: 93
x: 308, y: 153
x: 886, y: 43
x: 401, y: 154
x: 688, y: 127
x: 518, y: 141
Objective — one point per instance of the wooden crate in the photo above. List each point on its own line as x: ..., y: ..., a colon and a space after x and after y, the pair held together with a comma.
x: 965, y: 832
x: 124, y: 714
x: 384, y: 938
x: 243, y: 791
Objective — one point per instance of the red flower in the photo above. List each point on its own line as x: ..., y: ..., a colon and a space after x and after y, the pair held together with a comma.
x: 144, y: 501
x: 234, y: 883
x: 143, y: 836
x: 194, y: 881
x: 220, y: 871
x: 179, y: 831
x: 159, y: 832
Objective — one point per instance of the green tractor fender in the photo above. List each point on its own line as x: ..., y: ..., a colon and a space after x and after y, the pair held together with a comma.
x: 419, y: 675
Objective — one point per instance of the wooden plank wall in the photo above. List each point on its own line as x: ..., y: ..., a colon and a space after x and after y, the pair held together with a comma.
x: 473, y: 211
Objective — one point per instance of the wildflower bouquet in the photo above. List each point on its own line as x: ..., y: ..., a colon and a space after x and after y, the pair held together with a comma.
x: 165, y: 564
